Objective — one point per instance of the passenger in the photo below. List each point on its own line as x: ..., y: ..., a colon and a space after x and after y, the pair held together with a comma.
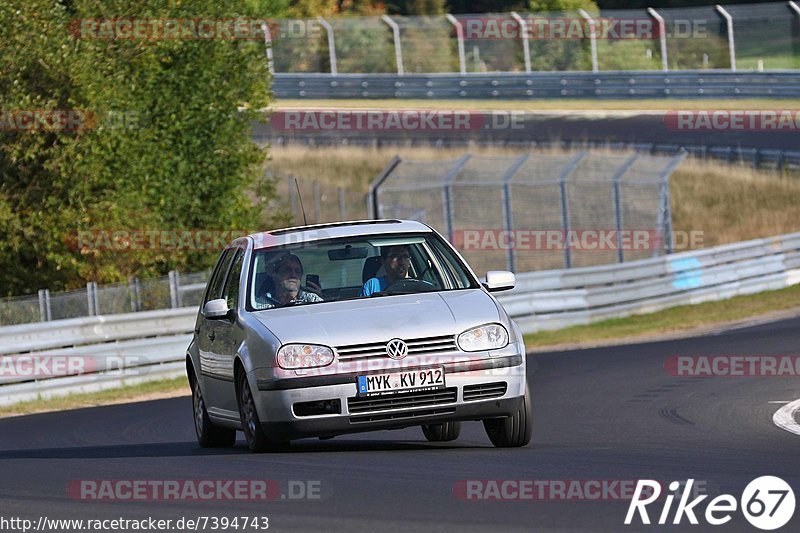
x: 396, y: 260
x: 286, y: 273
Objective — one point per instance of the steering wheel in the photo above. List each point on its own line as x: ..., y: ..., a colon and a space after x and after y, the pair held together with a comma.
x: 410, y: 285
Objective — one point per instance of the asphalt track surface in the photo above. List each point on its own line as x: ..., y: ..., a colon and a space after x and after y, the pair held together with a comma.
x: 609, y: 413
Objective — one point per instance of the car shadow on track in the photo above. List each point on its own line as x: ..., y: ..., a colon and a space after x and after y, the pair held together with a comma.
x: 188, y: 449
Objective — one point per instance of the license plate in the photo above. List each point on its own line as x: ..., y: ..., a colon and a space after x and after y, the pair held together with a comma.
x: 405, y: 381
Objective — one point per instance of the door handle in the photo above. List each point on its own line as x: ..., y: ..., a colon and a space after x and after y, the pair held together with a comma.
x: 212, y: 336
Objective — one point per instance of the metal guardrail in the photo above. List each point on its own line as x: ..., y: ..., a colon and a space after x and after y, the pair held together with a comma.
x: 562, y: 298
x: 501, y: 85
x: 151, y: 345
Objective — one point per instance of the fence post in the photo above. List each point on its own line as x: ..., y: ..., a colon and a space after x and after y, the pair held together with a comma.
x: 317, y: 202
x: 398, y: 52
x: 447, y: 192
x: 664, y: 220
x: 91, y: 287
x: 268, y: 45
x: 173, y: 289
x: 526, y: 50
x: 731, y: 41
x: 373, y: 207
x: 662, y: 33
x: 508, y: 219
x: 136, y: 296
x: 562, y: 188
x: 44, y: 306
x: 592, y: 38
x: 618, y: 204
x: 462, y: 57
x: 342, y: 206
x: 331, y: 44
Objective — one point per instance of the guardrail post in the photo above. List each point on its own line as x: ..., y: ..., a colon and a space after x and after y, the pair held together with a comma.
x: 592, y: 38
x: 662, y: 34
x: 174, y: 289
x: 731, y: 42
x: 618, y: 204
x: 508, y: 219
x: 526, y: 50
x: 562, y: 189
x: 44, y: 306
x: 331, y: 44
x: 447, y: 193
x: 342, y: 206
x: 462, y: 56
x: 398, y: 53
x: 268, y: 45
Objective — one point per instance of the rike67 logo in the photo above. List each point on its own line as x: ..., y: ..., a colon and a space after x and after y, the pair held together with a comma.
x: 767, y: 503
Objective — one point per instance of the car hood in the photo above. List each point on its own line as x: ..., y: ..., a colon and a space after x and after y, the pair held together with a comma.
x: 380, y: 319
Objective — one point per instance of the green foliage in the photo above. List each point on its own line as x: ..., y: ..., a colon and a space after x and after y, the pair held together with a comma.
x: 164, y: 148
x: 416, y: 7
x: 562, y: 6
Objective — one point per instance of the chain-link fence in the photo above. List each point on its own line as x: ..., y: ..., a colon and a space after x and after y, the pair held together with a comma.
x: 166, y: 292
x: 761, y: 36
x: 537, y: 211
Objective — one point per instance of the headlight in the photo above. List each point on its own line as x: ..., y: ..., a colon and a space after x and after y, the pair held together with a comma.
x: 292, y: 356
x: 486, y: 337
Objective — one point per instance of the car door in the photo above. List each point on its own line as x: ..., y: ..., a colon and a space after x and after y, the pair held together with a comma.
x: 229, y: 335
x: 207, y: 335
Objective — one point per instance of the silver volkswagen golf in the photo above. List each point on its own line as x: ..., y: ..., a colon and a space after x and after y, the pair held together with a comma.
x: 318, y: 331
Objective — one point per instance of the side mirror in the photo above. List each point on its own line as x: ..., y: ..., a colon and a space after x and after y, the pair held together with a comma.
x: 216, y: 309
x: 498, y: 280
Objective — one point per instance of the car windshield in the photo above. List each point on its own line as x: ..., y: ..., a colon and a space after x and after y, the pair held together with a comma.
x: 352, y: 268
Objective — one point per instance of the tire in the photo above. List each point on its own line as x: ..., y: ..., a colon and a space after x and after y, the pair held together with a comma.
x: 208, y: 435
x: 257, y: 439
x: 443, y: 432
x: 512, y: 431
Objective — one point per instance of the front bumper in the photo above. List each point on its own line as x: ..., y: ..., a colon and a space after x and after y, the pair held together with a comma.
x: 275, y: 400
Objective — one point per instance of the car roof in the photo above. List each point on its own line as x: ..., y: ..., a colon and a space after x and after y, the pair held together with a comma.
x: 353, y: 228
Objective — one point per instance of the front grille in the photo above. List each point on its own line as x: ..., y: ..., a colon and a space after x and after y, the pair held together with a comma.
x: 403, y: 415
x: 421, y: 346
x: 484, y: 391
x: 403, y: 400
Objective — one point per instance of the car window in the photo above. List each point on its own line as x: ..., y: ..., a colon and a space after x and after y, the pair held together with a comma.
x: 218, y: 277
x: 344, y: 265
x: 231, y: 292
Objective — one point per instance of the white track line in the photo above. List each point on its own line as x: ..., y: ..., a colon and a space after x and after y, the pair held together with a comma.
x: 784, y: 417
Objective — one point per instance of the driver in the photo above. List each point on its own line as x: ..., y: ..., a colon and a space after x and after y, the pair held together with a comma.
x: 396, y: 261
x: 286, y: 273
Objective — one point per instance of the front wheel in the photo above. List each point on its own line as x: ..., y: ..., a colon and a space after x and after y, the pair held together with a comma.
x: 257, y: 440
x: 443, y: 432
x: 208, y: 435
x: 512, y: 431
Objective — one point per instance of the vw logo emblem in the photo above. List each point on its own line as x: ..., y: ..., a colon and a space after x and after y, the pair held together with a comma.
x: 396, y: 349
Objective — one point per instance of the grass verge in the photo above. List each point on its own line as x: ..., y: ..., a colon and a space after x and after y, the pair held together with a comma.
x: 549, y: 105
x: 684, y: 318
x: 150, y: 390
